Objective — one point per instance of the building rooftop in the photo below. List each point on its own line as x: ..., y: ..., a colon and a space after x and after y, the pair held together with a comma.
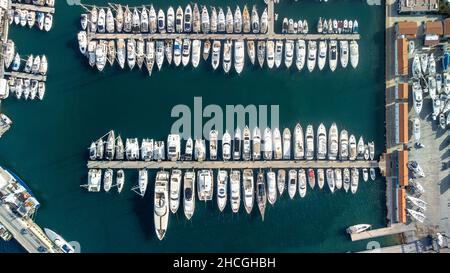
x: 408, y: 29
x: 447, y: 27
x: 405, y: 6
x: 434, y: 28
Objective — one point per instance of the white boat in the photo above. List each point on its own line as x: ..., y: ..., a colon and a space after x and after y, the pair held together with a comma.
x: 131, y: 53
x: 255, y: 20
x: 48, y: 22
x: 248, y: 190
x: 354, y: 54
x: 205, y: 187
x: 261, y: 195
x: 179, y: 20
x: 287, y: 144
x: 267, y: 144
x: 213, y: 19
x: 343, y: 145
x: 161, y: 21
x: 270, y: 53
x: 311, y: 178
x: 239, y: 56
x: 320, y: 178
x: 300, y: 49
x: 299, y: 151
x: 358, y: 228
x: 321, y: 142
x: 237, y: 143
x: 226, y: 146
x: 261, y: 52
x: 168, y: 50
x: 330, y: 180
x: 365, y: 174
x: 175, y: 189
x: 186, y: 52
x: 338, y: 178
x: 354, y: 180
x: 333, y: 55
x: 305, y: 27
x: 150, y: 56
x: 205, y: 23
x: 196, y: 48
x: 161, y: 204
x: 251, y: 51
x: 222, y: 188
x: 416, y: 215
x: 9, y: 53
x: 189, y: 194
x: 37, y: 63
x: 431, y: 65
x: 196, y: 20
x: 417, y: 202
x: 173, y: 147
x: 343, y: 47
x: 237, y: 24
x: 188, y: 151
x: 353, y: 152
x: 235, y: 190
x: 215, y: 58
x: 107, y: 180
x: 246, y: 24
x: 213, y: 144
x: 200, y: 150
x: 278, y: 53
x: 292, y: 183
x: 446, y: 83
x: 271, y: 187
x: 432, y: 86
x: 438, y: 83
x: 361, y: 148
x: 170, y: 20
x: 110, y: 25
x: 264, y: 21
x: 152, y: 20
x: 256, y: 145
x: 94, y: 180
x: 120, y: 180
x: 100, y: 55
x: 424, y: 62
x: 101, y: 23
x: 227, y: 48
x: 187, y: 22
x: 84, y: 21
x: 206, y: 49
x: 302, y: 183
x: 277, y: 144
x: 288, y: 53
x: 143, y: 181
x: 82, y: 41
x: 416, y: 129
x: 140, y: 56
x: 309, y: 142
x: 416, y: 69
x: 322, y: 54
x: 221, y: 22
x: 177, y: 48
x: 93, y: 17
x: 121, y: 52
x: 312, y: 52
x: 119, y: 19
x: 372, y: 173
x: 59, y: 241
x: 417, y: 97
x: 159, y: 54
x: 246, y: 147
x: 346, y: 179
x: 119, y: 148
x: 111, y: 56
x: 320, y: 25
x: 229, y: 21
x: 281, y: 181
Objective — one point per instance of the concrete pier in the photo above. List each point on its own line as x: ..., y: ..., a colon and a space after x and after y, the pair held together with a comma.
x: 392, y: 230
x: 43, y: 9
x: 275, y: 164
x: 30, y: 76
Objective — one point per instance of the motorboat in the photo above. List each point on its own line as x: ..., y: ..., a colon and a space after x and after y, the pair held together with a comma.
x: 196, y: 19
x: 311, y: 178
x: 131, y: 53
x: 237, y: 143
x: 358, y: 228
x: 93, y: 17
x: 221, y: 22
x: 227, y: 48
x: 320, y: 25
x: 173, y: 147
x: 333, y: 142
x: 189, y: 149
x: 288, y: 53
x: 179, y: 20
x: 312, y: 52
x: 246, y: 24
x: 321, y: 142
x: 239, y: 56
x: 261, y: 195
x: 159, y: 53
x: 161, y: 21
x: 309, y: 142
x: 431, y: 65
x: 255, y: 20
x: 170, y: 20
x: 237, y: 23
x: 120, y: 180
x: 271, y: 187
x: 371, y: 146
x: 270, y: 53
x: 372, y: 173
x: 300, y: 49
x: 346, y: 179
x: 235, y: 190
x: 37, y: 63
x: 111, y: 56
x: 248, y: 190
x: 286, y: 144
x: 333, y: 55
x: 168, y: 50
x: 256, y: 144
x: 119, y: 148
x: 186, y: 52
x: 267, y: 144
x: 205, y: 23
x: 322, y: 54
x: 150, y: 56
x: 251, y: 51
x: 200, y: 150
x: 416, y: 69
x: 206, y: 49
x: 432, y: 86
x: 213, y: 18
x: 84, y: 21
x: 213, y: 144
x: 417, y: 97
x: 215, y: 58
x: 320, y: 178
x: 365, y: 174
x: 135, y: 21
x: 343, y: 145
x: 354, y: 180
x: 9, y: 54
x: 152, y: 20
x: 100, y: 55
x: 143, y: 181
x: 264, y: 21
x: 424, y: 63
x: 119, y: 18
x: 140, y: 52
x: 229, y: 21
x: 331, y: 180
x: 187, y: 20
x: 205, y: 185
x: 302, y: 183
x: 278, y: 53
x: 261, y: 52
x: 161, y: 204
x: 353, y: 152
x: 82, y: 44
x: 59, y: 241
x: 277, y: 145
x: 281, y: 181
x: 292, y: 183
x: 177, y: 48
x: 222, y: 188
x: 110, y: 25
x: 226, y: 146
x: 361, y: 148
x: 48, y: 22
x: 343, y: 46
x: 354, y: 54
x: 121, y: 52
x: 196, y: 48
x: 299, y: 151
x: 189, y: 194
x: 338, y: 178
x: 247, y: 146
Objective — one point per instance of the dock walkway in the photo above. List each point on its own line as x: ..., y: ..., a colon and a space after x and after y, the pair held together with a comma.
x: 30, y: 76
x: 43, y: 9
x: 392, y: 230
x: 275, y: 164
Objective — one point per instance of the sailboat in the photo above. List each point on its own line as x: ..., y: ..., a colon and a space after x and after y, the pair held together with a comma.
x: 205, y: 23
x: 237, y: 24
x: 213, y: 18
x: 229, y: 21
x: 264, y: 21
x: 246, y: 25
x: 221, y: 21
x: 119, y: 18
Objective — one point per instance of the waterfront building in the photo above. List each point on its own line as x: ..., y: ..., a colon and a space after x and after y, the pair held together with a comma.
x: 433, y: 31
x: 406, y: 29
x: 418, y: 6
x: 402, y: 57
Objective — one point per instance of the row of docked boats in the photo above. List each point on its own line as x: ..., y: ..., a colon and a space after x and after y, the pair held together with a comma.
x: 192, y: 18
x: 245, y: 145
x: 30, y: 18
x: 26, y: 89
x: 42, y: 3
x: 233, y: 185
x: 337, y: 26
x: 229, y: 53
x: 33, y: 64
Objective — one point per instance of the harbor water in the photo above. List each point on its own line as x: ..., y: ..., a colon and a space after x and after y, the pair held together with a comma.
x: 47, y: 144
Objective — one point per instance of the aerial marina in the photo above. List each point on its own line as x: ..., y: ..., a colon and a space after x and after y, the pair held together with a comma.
x: 147, y: 36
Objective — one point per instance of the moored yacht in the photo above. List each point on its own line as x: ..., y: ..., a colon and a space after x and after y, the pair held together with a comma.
x: 256, y: 145
x: 237, y: 24
x: 261, y: 196
x: 248, y: 189
x: 226, y: 146
x: 288, y: 53
x: 227, y: 48
x: 270, y: 53
x: 175, y: 189
x: 161, y: 204
x: 321, y: 142
x: 312, y: 52
x: 222, y: 182
x: 213, y: 142
x: 330, y: 180
x: 346, y: 178
x: 239, y: 56
x: 251, y: 51
x: 343, y: 145
x: 205, y: 187
x: 311, y: 178
x: 221, y: 21
x: 333, y: 55
x: 300, y: 49
x: 277, y: 145
x: 322, y: 54
x: 271, y: 187
x: 343, y: 47
x: 354, y: 180
x: 353, y: 152
x: 302, y: 183
x: 255, y: 20
x: 235, y: 190
x: 278, y: 53
x: 215, y: 58
x: 320, y: 178
x: 246, y: 147
x: 333, y: 142
x: 292, y: 183
x: 299, y: 151
x: 309, y: 142
x: 267, y: 144
x: 237, y: 143
x: 196, y: 47
x: 189, y: 194
x: 354, y: 54
x: 286, y: 144
x: 338, y: 178
x: 281, y: 181
x: 187, y: 20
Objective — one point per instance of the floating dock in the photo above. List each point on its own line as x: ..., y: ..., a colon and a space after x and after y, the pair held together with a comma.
x: 44, y: 9
x: 38, y: 77
x: 274, y: 164
x: 392, y: 230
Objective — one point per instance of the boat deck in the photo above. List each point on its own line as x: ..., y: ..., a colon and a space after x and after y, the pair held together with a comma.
x: 392, y: 230
x: 275, y: 164
x: 30, y: 7
x: 22, y: 75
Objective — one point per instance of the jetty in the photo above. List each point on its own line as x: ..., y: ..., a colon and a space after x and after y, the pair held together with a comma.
x: 275, y: 164
x: 380, y: 232
x: 23, y: 75
x: 36, y: 8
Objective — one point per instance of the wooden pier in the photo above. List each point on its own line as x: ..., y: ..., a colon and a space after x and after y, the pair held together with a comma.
x: 38, y: 77
x: 43, y: 9
x: 392, y: 230
x: 274, y: 164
